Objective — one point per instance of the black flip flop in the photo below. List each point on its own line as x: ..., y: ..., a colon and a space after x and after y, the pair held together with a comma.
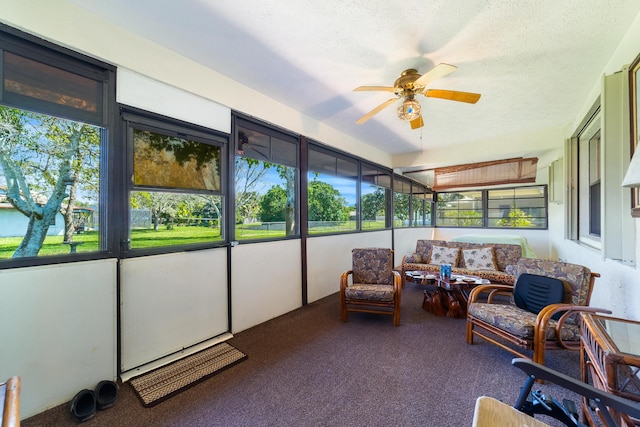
x: 106, y: 394
x: 83, y: 406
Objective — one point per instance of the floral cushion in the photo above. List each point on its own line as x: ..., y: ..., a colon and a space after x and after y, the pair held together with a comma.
x: 444, y: 255
x: 372, y: 266
x: 423, y: 247
x: 480, y: 259
x: 519, y: 322
x: 506, y: 254
x: 413, y: 258
x: 370, y: 292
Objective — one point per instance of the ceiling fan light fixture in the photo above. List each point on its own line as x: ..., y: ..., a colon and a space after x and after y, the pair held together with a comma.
x: 409, y: 110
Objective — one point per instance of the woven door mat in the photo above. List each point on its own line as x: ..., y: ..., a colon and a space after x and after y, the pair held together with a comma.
x: 162, y: 383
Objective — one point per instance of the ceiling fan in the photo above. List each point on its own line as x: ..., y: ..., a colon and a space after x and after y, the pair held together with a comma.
x: 410, y: 84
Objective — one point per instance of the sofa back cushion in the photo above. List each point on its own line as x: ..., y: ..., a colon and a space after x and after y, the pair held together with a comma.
x: 423, y: 247
x: 506, y: 254
x: 533, y: 292
x: 445, y: 255
x: 480, y: 259
x: 463, y: 246
x: 372, y: 266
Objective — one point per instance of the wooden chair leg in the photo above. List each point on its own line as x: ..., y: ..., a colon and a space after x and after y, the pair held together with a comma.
x: 469, y: 332
x: 343, y: 309
x: 396, y: 316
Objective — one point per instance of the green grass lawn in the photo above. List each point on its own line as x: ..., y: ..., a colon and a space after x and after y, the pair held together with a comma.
x: 149, y: 238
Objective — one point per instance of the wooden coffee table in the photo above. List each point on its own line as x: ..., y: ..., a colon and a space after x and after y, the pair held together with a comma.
x: 451, y: 295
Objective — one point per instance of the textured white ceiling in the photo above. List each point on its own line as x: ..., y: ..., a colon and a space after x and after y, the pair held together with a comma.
x: 533, y: 61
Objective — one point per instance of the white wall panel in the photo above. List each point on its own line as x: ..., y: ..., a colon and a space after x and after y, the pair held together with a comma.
x: 267, y: 281
x: 58, y: 330
x: 142, y: 92
x: 172, y: 301
x: 329, y: 256
x: 406, y: 238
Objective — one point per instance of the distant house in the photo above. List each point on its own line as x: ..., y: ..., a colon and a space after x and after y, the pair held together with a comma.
x: 14, y: 224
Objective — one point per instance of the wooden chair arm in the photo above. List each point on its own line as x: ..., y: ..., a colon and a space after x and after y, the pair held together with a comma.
x: 543, y: 318
x: 397, y: 281
x: 11, y: 403
x: 344, y: 280
x: 491, y: 289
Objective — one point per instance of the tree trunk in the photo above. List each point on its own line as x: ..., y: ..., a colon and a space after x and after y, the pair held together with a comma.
x: 36, y: 233
x: 68, y: 214
x: 290, y: 206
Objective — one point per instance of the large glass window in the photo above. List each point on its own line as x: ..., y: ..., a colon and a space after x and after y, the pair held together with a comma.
x: 332, y: 192
x: 375, y: 198
x: 266, y: 182
x: 401, y: 201
x: 421, y: 206
x: 460, y: 209
x: 176, y: 193
x: 513, y: 207
x: 520, y: 207
x: 53, y: 131
x: 588, y: 146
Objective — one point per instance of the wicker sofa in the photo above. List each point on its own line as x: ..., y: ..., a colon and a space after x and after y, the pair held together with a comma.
x: 506, y: 256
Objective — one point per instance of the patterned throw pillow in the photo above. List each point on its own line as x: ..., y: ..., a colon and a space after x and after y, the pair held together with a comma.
x: 480, y: 259
x: 444, y: 255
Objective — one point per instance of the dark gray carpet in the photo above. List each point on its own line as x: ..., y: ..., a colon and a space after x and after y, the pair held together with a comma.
x: 307, y: 368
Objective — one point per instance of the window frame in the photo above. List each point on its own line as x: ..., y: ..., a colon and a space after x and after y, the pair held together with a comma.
x: 388, y: 189
x: 241, y: 121
x: 132, y: 118
x: 338, y: 156
x: 484, y: 199
x: 47, y: 53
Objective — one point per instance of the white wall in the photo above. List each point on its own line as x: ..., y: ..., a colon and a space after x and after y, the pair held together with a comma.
x: 58, y: 330
x: 619, y: 287
x: 266, y: 281
x: 405, y: 240
x: 171, y: 301
x: 329, y: 256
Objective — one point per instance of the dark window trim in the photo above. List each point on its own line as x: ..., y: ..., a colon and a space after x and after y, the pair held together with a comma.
x: 21, y: 43
x: 485, y: 207
x: 240, y: 120
x: 146, y: 120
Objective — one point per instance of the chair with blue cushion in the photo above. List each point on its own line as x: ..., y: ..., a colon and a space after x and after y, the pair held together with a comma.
x: 543, y: 310
x: 374, y: 286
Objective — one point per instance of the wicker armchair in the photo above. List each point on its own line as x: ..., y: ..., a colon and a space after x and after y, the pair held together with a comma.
x: 374, y: 287
x: 515, y: 329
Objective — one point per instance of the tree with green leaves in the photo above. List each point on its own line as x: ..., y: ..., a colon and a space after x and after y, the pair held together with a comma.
x: 515, y: 218
x: 373, y: 204
x: 273, y: 205
x: 326, y: 203
x: 249, y: 174
x: 42, y: 158
x: 161, y: 205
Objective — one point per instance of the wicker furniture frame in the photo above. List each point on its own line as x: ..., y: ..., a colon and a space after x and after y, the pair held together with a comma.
x: 362, y: 304
x: 602, y: 361
x: 540, y: 342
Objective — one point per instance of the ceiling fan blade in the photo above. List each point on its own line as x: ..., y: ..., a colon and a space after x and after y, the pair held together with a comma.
x: 375, y: 88
x: 376, y: 110
x: 436, y: 72
x: 453, y: 95
x: 417, y: 123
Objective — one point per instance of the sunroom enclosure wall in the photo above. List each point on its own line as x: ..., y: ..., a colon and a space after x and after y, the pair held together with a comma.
x: 46, y: 305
